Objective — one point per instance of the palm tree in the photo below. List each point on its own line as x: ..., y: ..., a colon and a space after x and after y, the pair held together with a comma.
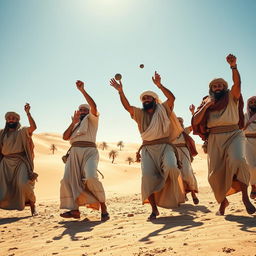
x: 129, y: 160
x: 53, y: 148
x: 113, y: 154
x: 104, y: 145
x: 120, y: 144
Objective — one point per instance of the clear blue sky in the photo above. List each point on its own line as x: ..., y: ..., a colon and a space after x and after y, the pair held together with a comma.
x: 47, y: 45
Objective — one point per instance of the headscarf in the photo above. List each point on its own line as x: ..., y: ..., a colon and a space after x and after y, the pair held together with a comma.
x: 152, y: 94
x: 251, y: 115
x: 84, y: 106
x: 11, y: 113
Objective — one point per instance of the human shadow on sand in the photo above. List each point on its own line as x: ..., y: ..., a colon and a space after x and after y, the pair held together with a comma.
x: 13, y: 219
x: 245, y: 223
x: 191, y: 209
x: 180, y: 223
x: 72, y: 228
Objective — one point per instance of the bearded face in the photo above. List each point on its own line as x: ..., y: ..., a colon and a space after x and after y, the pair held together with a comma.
x: 217, y: 91
x: 148, y: 102
x: 12, y: 122
x: 83, y: 113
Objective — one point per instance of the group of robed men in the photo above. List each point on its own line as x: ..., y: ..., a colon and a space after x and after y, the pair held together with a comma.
x: 166, y: 152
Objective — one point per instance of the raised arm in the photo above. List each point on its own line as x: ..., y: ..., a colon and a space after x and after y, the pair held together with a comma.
x: 32, y: 124
x: 168, y: 94
x: 88, y: 98
x: 236, y: 88
x: 75, y: 120
x: 198, y: 116
x: 123, y: 99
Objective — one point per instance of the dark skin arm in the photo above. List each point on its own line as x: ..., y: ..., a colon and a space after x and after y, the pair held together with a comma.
x: 75, y: 120
x: 88, y: 98
x: 168, y: 94
x: 236, y: 88
x: 32, y: 123
x: 123, y: 99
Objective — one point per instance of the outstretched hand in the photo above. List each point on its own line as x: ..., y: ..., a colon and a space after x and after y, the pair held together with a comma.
x: 27, y: 108
x: 157, y: 79
x: 76, y: 117
x: 192, y: 109
x: 80, y: 85
x: 116, y: 85
x: 231, y: 59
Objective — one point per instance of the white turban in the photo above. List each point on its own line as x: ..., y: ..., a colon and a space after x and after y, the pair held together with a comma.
x: 12, y: 114
x: 219, y: 80
x: 84, y: 106
x: 152, y: 94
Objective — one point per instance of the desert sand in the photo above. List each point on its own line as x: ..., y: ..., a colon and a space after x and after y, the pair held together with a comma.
x: 188, y: 230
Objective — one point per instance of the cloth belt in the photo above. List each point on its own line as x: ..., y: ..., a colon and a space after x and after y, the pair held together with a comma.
x: 156, y: 142
x: 252, y: 135
x: 223, y: 129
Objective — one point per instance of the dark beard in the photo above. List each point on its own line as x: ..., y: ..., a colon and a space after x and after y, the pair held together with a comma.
x: 150, y: 105
x: 217, y: 95
x: 253, y: 109
x: 12, y: 125
x: 83, y: 116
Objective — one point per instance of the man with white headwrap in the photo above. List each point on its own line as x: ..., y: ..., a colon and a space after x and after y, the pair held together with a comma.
x: 161, y: 180
x: 250, y: 141
x: 218, y: 121
x: 17, y: 177
x: 80, y: 185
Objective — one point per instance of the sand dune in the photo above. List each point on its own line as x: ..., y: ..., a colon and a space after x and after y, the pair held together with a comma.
x: 188, y: 230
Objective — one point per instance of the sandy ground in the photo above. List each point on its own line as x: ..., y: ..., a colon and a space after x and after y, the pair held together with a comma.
x: 187, y: 230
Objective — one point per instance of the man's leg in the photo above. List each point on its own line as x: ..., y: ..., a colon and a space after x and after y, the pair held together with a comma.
x: 248, y: 205
x: 224, y: 204
x: 253, y: 192
x: 155, y: 211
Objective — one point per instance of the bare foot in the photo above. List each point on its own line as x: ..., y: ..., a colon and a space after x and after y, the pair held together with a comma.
x: 105, y: 216
x: 33, y: 209
x: 224, y: 204
x: 153, y: 215
x: 71, y: 214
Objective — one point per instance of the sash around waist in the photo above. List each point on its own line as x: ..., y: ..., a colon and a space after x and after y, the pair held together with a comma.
x: 223, y: 129
x: 15, y: 155
x: 180, y: 145
x: 83, y: 144
x: 250, y: 135
x: 165, y: 140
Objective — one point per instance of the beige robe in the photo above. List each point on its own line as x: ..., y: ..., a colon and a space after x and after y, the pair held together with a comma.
x: 226, y: 153
x: 15, y: 188
x: 80, y: 185
x: 250, y: 148
x: 188, y: 177
x: 160, y: 174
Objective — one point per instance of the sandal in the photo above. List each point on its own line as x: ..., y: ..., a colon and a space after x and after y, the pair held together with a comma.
x: 152, y: 216
x: 105, y: 216
x: 71, y: 214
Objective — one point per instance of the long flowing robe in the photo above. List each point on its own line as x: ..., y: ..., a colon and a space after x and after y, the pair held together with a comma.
x: 188, y: 177
x: 80, y: 185
x: 160, y: 174
x: 16, y: 189
x: 250, y: 146
x: 226, y: 153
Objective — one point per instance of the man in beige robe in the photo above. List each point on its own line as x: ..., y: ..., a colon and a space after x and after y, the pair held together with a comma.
x: 186, y: 157
x: 161, y: 180
x: 219, y: 121
x: 80, y: 185
x: 17, y: 177
x: 250, y: 142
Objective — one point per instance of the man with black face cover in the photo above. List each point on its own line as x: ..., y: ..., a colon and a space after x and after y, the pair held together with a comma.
x: 80, y: 185
x: 17, y: 177
x: 250, y: 141
x: 218, y: 121
x: 161, y: 178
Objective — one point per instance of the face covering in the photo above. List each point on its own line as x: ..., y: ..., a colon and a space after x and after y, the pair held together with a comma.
x: 150, y: 105
x: 12, y: 125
